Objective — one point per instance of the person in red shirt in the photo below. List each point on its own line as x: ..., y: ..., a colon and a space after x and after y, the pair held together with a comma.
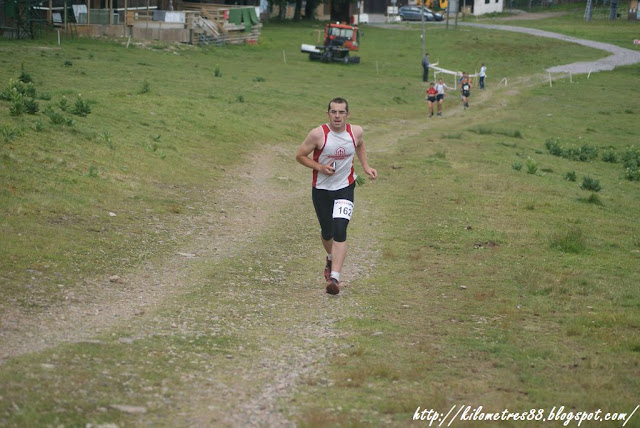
x: 432, y: 92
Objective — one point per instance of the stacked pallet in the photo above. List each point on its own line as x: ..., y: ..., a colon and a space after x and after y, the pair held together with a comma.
x: 223, y: 24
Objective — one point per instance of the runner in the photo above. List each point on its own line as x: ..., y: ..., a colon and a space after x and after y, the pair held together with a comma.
x: 333, y: 146
x: 441, y: 87
x: 432, y: 94
x: 465, y: 88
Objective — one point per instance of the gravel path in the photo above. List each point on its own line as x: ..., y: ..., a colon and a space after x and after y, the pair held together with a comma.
x: 620, y: 56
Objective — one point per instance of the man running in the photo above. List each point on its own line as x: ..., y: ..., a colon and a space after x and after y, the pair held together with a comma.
x: 333, y: 146
x: 465, y: 88
x: 441, y: 88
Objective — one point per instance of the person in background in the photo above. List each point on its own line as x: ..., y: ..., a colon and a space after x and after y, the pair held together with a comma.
x: 482, y: 75
x: 425, y: 68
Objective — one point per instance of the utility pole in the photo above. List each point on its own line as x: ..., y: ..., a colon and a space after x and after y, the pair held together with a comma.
x: 424, y: 42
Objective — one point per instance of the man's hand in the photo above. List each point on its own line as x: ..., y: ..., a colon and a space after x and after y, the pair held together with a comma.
x: 372, y: 173
x: 328, y: 169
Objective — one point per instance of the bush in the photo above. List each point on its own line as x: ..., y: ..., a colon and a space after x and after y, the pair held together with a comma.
x: 610, y: 156
x: 553, y: 146
x: 517, y: 165
x: 31, y: 106
x: 591, y: 184
x: 582, y: 154
x: 631, y: 163
x: 570, y: 176
x: 532, y: 166
x: 81, y: 107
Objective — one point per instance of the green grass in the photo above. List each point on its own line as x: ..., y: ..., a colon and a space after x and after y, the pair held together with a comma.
x: 492, y: 287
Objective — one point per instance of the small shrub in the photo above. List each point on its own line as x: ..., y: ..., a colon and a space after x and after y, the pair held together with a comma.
x: 68, y: 63
x: 38, y: 125
x: 24, y: 76
x: 517, y: 165
x: 582, y: 154
x: 17, y: 106
x: 105, y: 136
x: 553, y: 146
x: 217, y: 72
x: 532, y: 166
x: 259, y: 79
x: 610, y: 156
x: 570, y: 241
x: 591, y: 184
x: 632, y: 174
x: 631, y: 163
x: 63, y: 104
x: 81, y: 107
x: 31, y: 106
x: 570, y: 176
x: 240, y: 98
x: 9, y: 133
x: 55, y: 117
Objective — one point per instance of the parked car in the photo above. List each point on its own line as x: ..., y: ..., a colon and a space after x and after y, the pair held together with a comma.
x: 436, y: 15
x: 412, y: 13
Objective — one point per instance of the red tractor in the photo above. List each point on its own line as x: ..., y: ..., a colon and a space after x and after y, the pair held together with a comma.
x: 339, y: 41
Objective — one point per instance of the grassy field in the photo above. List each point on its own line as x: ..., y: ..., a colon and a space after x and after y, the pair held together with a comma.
x: 482, y: 275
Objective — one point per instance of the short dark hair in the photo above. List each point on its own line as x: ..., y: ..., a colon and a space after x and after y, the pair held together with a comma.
x: 339, y: 100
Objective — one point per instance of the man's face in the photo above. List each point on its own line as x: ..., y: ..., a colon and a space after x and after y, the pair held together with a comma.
x: 338, y: 115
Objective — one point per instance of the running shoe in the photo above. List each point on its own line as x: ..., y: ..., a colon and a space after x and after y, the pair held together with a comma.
x: 333, y: 286
x: 327, y: 270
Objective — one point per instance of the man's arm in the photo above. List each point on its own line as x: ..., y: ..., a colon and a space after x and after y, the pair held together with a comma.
x: 361, y: 152
x: 314, y: 140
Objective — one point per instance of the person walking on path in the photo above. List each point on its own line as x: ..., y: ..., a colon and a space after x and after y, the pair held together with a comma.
x: 425, y: 68
x: 465, y: 88
x: 432, y: 94
x: 441, y: 89
x: 482, y: 75
x: 334, y: 145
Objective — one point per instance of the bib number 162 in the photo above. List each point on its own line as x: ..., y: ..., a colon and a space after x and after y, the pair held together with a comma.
x: 342, y: 208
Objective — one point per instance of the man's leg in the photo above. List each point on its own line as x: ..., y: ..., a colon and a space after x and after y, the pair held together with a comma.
x: 338, y: 254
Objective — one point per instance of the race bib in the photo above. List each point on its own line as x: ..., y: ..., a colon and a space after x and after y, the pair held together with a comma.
x: 342, y: 208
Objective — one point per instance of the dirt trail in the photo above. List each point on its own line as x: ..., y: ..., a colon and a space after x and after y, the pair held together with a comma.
x: 230, y: 220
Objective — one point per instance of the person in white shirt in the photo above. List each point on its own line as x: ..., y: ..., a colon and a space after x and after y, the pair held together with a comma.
x: 482, y: 75
x: 334, y: 145
x: 442, y: 88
